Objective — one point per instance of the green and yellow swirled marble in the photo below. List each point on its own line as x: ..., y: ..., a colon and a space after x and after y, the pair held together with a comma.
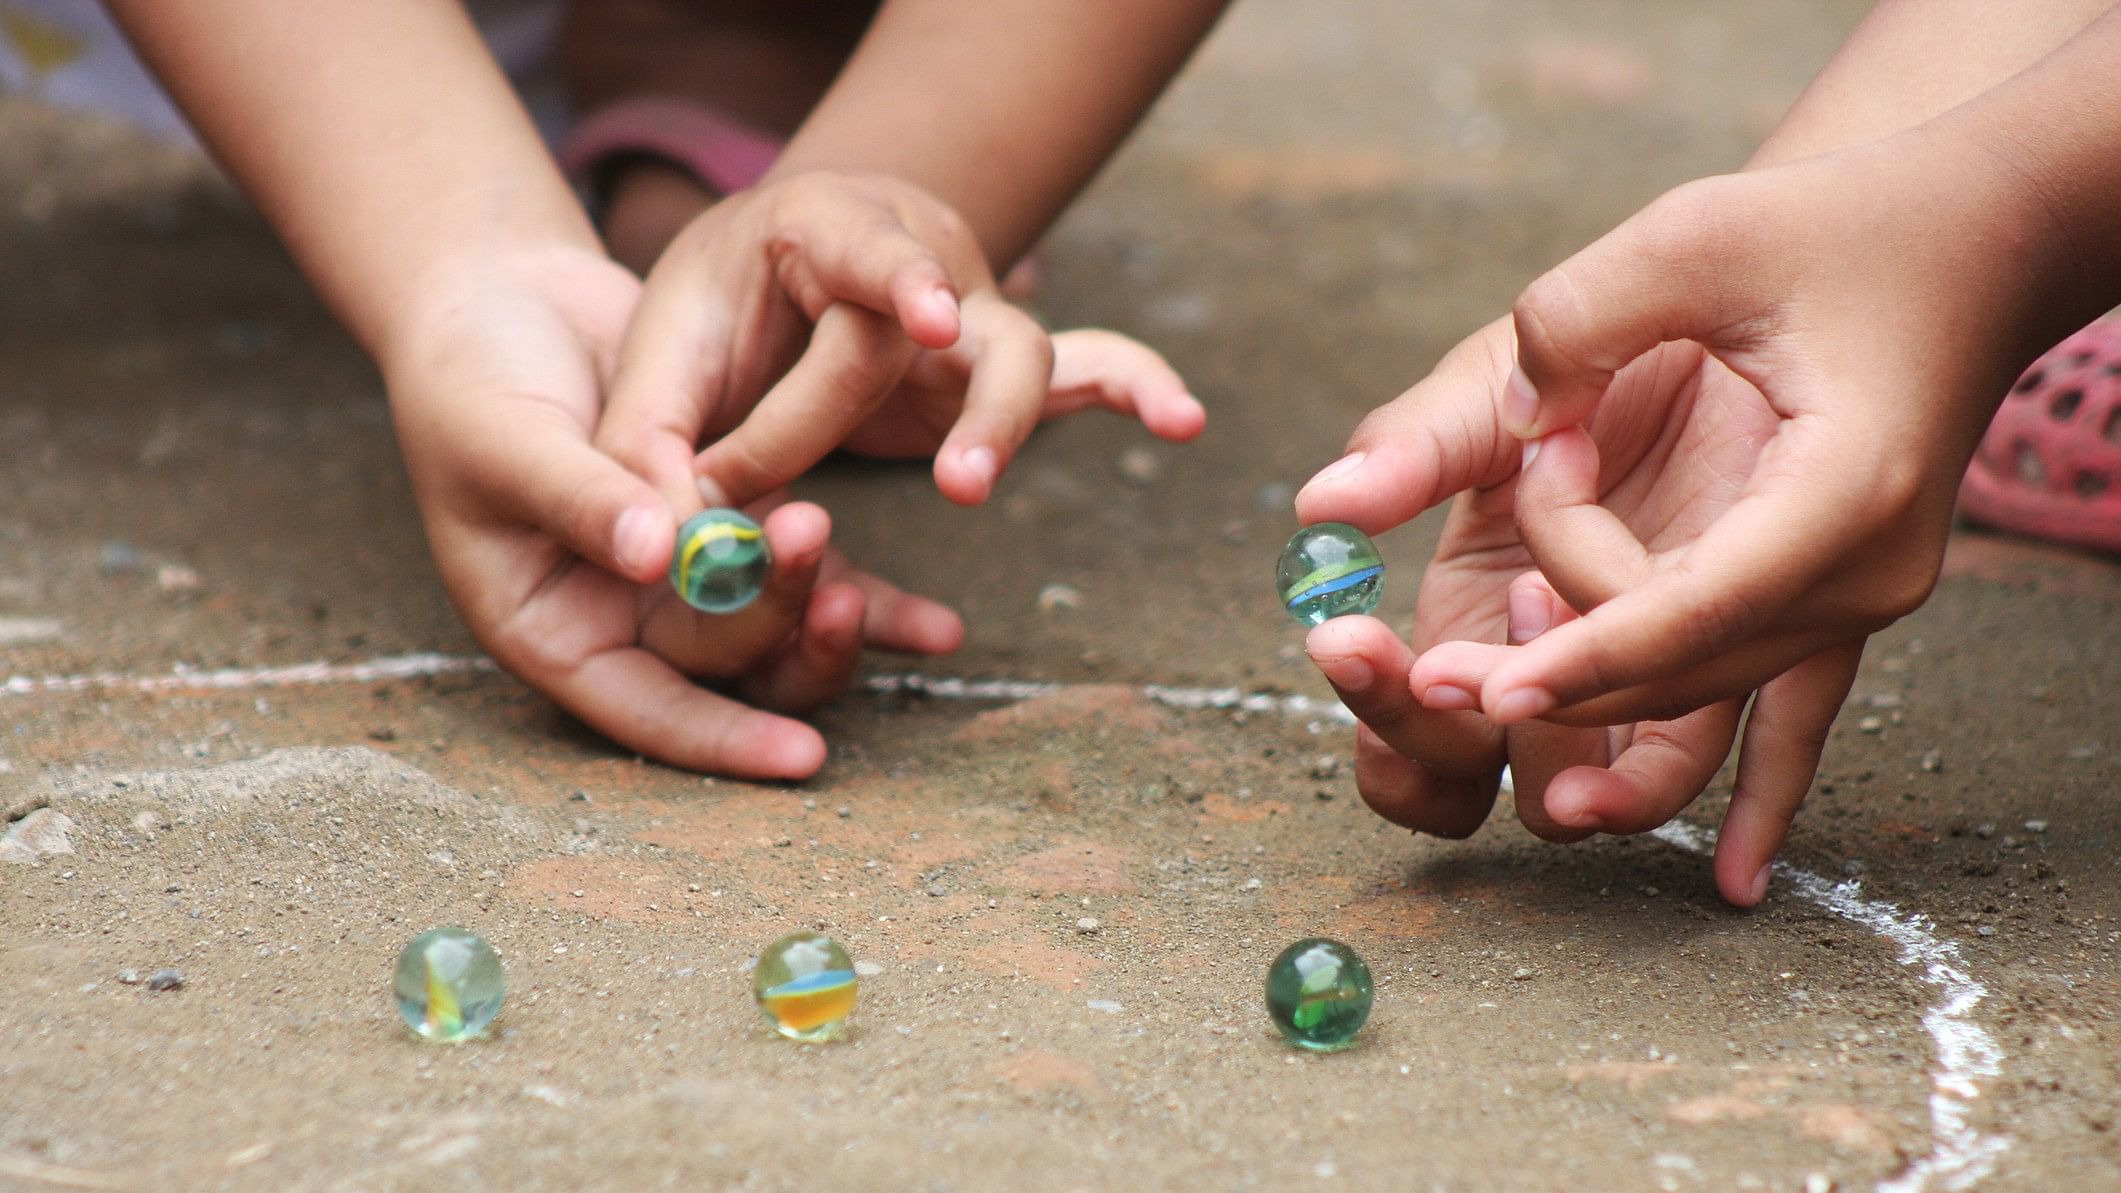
x: 721, y: 561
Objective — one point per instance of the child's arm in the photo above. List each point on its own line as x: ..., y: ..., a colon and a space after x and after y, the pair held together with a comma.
x: 1432, y: 766
x: 988, y: 108
x: 1001, y: 109
x: 382, y: 141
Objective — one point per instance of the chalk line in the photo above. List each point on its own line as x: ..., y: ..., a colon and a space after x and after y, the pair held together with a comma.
x: 188, y: 679
x: 1966, y: 1052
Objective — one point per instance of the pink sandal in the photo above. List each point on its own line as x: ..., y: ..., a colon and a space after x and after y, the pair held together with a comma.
x: 2050, y: 464
x: 724, y: 153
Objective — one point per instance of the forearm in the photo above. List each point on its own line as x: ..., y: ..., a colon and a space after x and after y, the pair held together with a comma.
x: 1003, y: 109
x: 378, y: 136
x: 1912, y: 60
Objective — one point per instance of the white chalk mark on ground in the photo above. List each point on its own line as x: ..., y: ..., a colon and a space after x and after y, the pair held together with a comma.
x: 188, y: 679
x: 1966, y: 1052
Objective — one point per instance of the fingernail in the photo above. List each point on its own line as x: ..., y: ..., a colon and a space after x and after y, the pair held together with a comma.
x: 1582, y: 818
x: 633, y: 539
x: 979, y: 461
x: 1345, y: 465
x: 1529, y: 614
x: 1760, y: 881
x: 942, y: 302
x: 711, y: 493
x: 1520, y: 404
x: 1531, y: 453
x: 1447, y: 697
x: 1522, y: 705
x: 1349, y: 673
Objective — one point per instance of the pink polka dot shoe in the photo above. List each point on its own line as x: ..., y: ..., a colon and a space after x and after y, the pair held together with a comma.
x: 2050, y: 464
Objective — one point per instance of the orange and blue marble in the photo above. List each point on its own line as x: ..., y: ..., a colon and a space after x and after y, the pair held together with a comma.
x: 806, y: 986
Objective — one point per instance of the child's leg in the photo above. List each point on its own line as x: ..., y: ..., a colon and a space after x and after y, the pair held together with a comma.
x: 764, y: 63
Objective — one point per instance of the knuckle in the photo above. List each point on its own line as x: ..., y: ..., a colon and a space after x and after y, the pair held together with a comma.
x: 1711, y: 621
x: 1675, y: 226
x: 1546, y: 314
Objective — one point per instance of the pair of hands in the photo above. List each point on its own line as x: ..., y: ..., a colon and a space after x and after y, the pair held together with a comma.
x: 1700, y: 464
x: 552, y: 408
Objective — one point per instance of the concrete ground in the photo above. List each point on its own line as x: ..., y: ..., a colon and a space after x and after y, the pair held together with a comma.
x: 196, y: 472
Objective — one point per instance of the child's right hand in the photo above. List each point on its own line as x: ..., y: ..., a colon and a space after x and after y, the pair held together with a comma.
x: 829, y: 311
x: 1743, y: 417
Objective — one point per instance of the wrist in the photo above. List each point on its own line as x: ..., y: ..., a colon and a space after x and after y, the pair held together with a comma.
x: 470, y: 296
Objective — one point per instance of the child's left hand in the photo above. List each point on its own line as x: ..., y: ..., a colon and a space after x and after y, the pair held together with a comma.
x: 830, y: 311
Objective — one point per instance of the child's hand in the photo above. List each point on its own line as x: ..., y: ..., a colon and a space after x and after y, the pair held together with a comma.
x: 1731, y: 524
x: 555, y: 554
x: 829, y: 311
x: 1678, y: 434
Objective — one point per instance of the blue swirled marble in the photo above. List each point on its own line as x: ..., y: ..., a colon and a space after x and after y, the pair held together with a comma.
x: 1329, y: 570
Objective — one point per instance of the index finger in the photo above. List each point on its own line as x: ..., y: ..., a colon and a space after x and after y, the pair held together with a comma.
x: 1733, y: 583
x: 854, y: 360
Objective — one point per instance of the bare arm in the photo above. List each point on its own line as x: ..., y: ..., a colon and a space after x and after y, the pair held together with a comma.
x: 378, y: 136
x: 1002, y: 109
x: 1911, y: 60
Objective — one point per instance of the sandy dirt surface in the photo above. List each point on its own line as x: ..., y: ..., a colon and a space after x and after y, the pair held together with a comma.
x: 197, y: 472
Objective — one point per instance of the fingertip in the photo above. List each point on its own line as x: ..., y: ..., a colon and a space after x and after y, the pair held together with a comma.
x: 1573, y: 805
x: 928, y: 309
x: 642, y: 539
x: 1175, y: 418
x: 798, y: 532
x: 1351, y: 651
x: 789, y: 750
x: 1743, y: 883
x: 938, y: 630
x: 967, y: 477
x: 834, y: 617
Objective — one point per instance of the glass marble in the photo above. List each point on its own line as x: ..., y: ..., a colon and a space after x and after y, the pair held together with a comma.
x: 721, y: 561
x: 1318, y: 994
x: 1329, y: 570
x: 806, y: 984
x: 449, y: 985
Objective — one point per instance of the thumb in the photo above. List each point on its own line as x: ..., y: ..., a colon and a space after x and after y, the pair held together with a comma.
x: 1680, y: 269
x: 546, y: 475
x: 1437, y: 439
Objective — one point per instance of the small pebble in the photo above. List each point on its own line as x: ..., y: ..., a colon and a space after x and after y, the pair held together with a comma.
x: 1521, y: 975
x: 1274, y: 498
x: 1872, y: 725
x: 783, y: 842
x: 176, y: 578
x: 164, y: 979
x: 1985, y: 829
x: 1325, y: 766
x: 1932, y: 761
x: 1984, y: 930
x: 936, y: 891
x: 120, y: 557
x: 1140, y: 466
x: 129, y: 977
x: 843, y: 812
x: 1087, y: 925
x: 2036, y: 826
x: 1058, y: 596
